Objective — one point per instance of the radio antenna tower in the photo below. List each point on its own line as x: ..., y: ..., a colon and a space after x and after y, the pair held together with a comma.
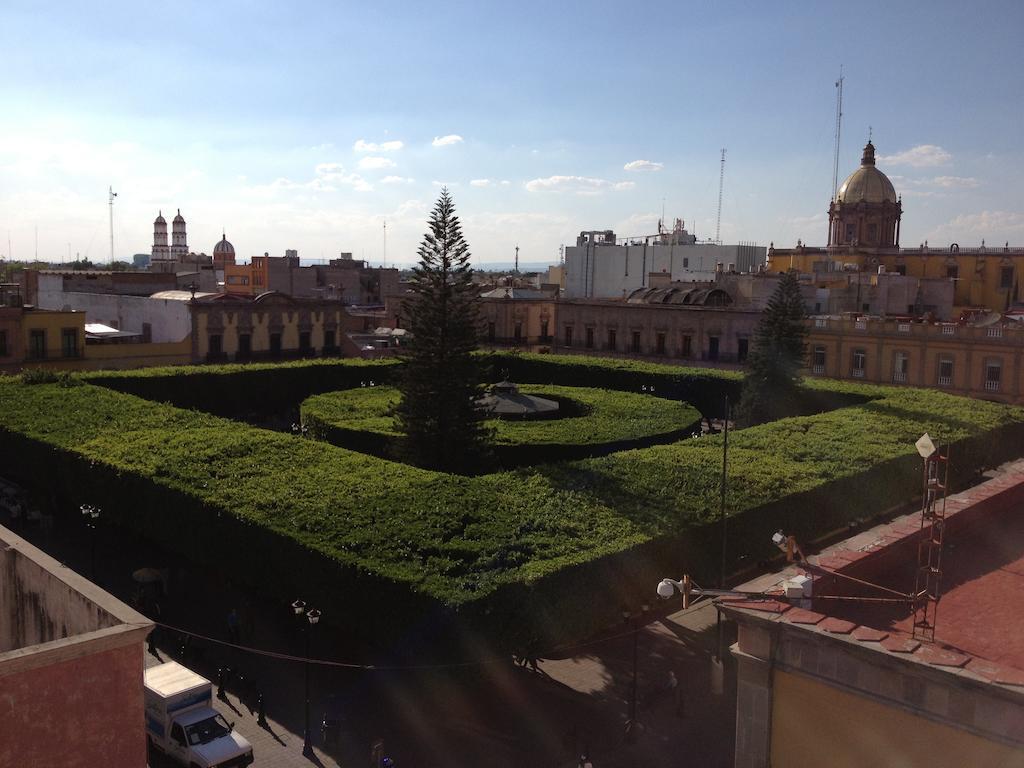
x: 839, y: 128
x: 113, y: 194
x: 517, y: 258
x: 385, y: 243
x: 721, y: 184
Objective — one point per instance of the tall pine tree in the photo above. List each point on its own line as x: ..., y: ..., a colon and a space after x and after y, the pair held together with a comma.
x: 771, y: 386
x: 440, y: 381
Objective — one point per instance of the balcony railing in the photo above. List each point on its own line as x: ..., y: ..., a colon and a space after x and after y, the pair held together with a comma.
x: 903, y: 327
x: 899, y: 377
x: 818, y: 369
x: 857, y: 373
x: 948, y: 330
x: 945, y: 381
x: 861, y: 325
x: 995, y: 332
x: 820, y: 322
x: 991, y: 386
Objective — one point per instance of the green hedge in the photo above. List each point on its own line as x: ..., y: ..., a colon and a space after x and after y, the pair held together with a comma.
x: 596, y: 422
x: 551, y: 550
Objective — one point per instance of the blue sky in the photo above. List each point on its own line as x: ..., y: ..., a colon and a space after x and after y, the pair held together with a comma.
x: 308, y: 125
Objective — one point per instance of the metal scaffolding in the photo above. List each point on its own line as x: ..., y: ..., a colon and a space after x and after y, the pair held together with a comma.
x: 928, y: 579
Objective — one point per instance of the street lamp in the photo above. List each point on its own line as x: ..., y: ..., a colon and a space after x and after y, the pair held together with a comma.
x: 313, y: 616
x: 91, y: 514
x: 637, y: 620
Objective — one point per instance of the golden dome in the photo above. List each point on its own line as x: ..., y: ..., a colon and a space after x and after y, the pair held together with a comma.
x: 867, y: 183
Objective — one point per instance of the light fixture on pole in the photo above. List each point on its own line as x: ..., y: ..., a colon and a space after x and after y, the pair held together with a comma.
x: 631, y: 724
x: 312, y: 616
x: 91, y: 514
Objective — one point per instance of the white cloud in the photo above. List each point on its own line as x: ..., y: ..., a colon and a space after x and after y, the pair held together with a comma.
x: 505, y: 182
x: 446, y: 141
x: 397, y: 180
x: 921, y: 156
x: 994, y: 224
x: 580, y: 185
x: 643, y: 165
x: 373, y: 163
x: 371, y: 146
x: 480, y: 183
x: 448, y: 184
x: 956, y: 182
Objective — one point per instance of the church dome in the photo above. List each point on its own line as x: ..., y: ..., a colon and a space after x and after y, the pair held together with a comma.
x: 867, y: 183
x: 160, y: 218
x: 224, y: 246
x: 179, y: 219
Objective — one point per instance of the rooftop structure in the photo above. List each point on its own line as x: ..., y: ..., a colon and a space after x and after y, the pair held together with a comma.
x: 505, y: 401
x: 71, y: 660
x: 846, y: 678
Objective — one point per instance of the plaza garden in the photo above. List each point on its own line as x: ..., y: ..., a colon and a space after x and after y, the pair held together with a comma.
x: 549, y: 547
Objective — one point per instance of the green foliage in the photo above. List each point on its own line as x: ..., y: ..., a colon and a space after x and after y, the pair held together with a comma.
x: 550, y: 549
x: 440, y: 380
x: 38, y: 376
x: 361, y: 419
x: 770, y: 389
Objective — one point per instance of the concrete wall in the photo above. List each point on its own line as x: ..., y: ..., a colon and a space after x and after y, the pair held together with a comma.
x: 169, y: 318
x: 611, y: 271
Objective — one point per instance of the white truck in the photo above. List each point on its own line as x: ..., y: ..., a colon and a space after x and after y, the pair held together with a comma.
x: 182, y: 723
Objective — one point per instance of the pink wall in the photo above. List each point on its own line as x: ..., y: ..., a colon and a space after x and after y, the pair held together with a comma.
x: 94, y: 702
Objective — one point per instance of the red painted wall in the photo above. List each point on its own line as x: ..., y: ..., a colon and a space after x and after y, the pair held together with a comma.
x: 83, y: 713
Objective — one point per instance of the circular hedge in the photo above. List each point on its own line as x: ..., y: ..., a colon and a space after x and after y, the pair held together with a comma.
x: 595, y: 422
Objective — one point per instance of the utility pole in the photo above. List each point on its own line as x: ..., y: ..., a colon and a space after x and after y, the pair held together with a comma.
x: 113, y: 194
x: 721, y: 183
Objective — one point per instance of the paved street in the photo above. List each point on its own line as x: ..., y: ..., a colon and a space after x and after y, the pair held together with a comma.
x: 494, y: 713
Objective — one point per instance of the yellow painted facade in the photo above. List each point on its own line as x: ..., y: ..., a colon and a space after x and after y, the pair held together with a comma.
x: 982, y: 362
x: 983, y: 277
x: 815, y: 725
x: 52, y: 336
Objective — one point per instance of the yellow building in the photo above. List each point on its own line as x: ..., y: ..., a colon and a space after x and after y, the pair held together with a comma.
x: 977, y: 360
x: 31, y: 337
x: 864, y: 235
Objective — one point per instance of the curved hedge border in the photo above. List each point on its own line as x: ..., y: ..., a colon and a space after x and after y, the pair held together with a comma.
x: 550, y: 550
x: 610, y: 421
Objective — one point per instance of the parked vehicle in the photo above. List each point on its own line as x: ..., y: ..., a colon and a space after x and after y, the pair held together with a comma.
x: 181, y: 720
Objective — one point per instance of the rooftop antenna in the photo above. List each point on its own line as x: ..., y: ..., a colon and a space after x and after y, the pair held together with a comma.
x: 839, y: 128
x: 517, y: 258
x: 37, y: 242
x: 113, y: 194
x: 721, y: 183
x: 385, y: 243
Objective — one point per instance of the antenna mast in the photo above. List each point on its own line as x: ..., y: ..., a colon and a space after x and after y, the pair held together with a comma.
x: 385, y: 243
x: 721, y: 184
x: 839, y: 128
x: 517, y: 258
x: 113, y: 194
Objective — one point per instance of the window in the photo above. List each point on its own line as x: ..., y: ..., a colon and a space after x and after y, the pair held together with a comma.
x: 687, y: 345
x: 636, y: 342
x: 589, y: 339
x: 859, y: 361
x: 686, y: 263
x: 328, y: 340
x: 37, y: 344
x: 544, y: 330
x: 1006, y: 277
x: 659, y: 344
x: 244, y: 346
x: 851, y: 233
x: 900, y: 269
x: 712, y: 347
x: 568, y: 335
x: 3, y: 344
x: 517, y: 332
x: 818, y: 360
x: 872, y: 233
x: 993, y: 373
x: 952, y: 271
x: 945, y: 371
x: 817, y: 308
x: 69, y: 342
x: 215, y: 345
x: 178, y: 734
x: 900, y: 366
x: 611, y: 340
x: 865, y: 307
x: 275, y: 344
x: 304, y: 341
x: 490, y: 331
x: 741, y: 352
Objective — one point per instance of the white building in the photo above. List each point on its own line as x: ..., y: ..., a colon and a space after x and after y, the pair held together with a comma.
x: 600, y: 266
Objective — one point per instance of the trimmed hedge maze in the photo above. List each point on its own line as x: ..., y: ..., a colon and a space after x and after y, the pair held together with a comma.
x: 548, y: 551
x: 594, y: 422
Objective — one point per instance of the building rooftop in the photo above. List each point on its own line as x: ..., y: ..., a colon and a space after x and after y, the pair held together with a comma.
x: 979, y: 629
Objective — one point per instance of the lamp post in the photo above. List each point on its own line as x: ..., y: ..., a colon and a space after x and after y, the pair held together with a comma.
x: 637, y: 620
x: 91, y: 514
x: 312, y: 616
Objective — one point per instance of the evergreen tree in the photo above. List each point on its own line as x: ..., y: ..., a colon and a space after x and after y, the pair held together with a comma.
x: 771, y: 386
x: 440, y: 381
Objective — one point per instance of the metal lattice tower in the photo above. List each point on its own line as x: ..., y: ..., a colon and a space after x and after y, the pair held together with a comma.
x: 928, y: 579
x: 721, y: 183
x: 839, y: 129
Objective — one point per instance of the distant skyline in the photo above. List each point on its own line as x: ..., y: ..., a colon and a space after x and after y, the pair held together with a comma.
x: 309, y: 126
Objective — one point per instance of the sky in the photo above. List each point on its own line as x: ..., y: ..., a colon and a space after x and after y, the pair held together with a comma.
x: 309, y: 125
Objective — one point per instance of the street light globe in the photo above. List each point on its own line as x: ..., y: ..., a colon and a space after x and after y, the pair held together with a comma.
x: 666, y: 589
x: 299, y: 606
x: 313, y: 615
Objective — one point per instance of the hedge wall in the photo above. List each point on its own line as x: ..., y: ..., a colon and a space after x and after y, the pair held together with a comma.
x: 549, y: 551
